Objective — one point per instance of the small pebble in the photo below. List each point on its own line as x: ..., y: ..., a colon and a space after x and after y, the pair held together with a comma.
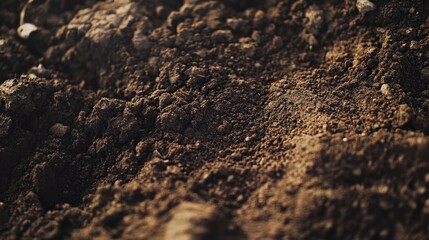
x: 386, y: 90
x: 365, y: 6
x: 25, y: 30
x: 249, y: 138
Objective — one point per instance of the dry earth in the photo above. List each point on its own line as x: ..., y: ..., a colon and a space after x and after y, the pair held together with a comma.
x: 227, y: 119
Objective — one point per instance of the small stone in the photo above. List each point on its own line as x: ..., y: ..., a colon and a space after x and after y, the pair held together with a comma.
x: 250, y: 138
x: 412, y: 10
x: 386, y: 91
x: 26, y: 29
x: 365, y: 6
x: 59, y: 130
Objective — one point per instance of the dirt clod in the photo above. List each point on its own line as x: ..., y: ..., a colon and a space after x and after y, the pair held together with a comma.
x: 58, y: 129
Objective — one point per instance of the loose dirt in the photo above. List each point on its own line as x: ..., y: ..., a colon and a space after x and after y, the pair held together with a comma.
x: 226, y: 119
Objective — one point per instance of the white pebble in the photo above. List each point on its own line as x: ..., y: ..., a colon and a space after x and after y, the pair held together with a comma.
x: 26, y: 29
x: 365, y: 6
x: 386, y: 90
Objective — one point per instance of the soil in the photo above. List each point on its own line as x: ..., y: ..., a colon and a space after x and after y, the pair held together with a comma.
x: 227, y: 119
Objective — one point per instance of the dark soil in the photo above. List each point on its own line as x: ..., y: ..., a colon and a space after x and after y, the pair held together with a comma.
x: 227, y: 119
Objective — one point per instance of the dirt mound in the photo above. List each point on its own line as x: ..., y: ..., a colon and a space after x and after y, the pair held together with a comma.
x: 225, y: 119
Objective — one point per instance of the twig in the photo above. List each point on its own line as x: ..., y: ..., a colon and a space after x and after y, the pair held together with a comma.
x: 23, y: 11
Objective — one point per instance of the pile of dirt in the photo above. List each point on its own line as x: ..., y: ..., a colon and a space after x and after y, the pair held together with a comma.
x: 227, y: 119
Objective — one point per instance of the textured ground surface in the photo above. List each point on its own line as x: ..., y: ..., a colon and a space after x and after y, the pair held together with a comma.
x: 226, y: 119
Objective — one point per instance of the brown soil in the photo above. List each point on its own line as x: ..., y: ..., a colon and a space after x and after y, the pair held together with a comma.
x: 227, y: 119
